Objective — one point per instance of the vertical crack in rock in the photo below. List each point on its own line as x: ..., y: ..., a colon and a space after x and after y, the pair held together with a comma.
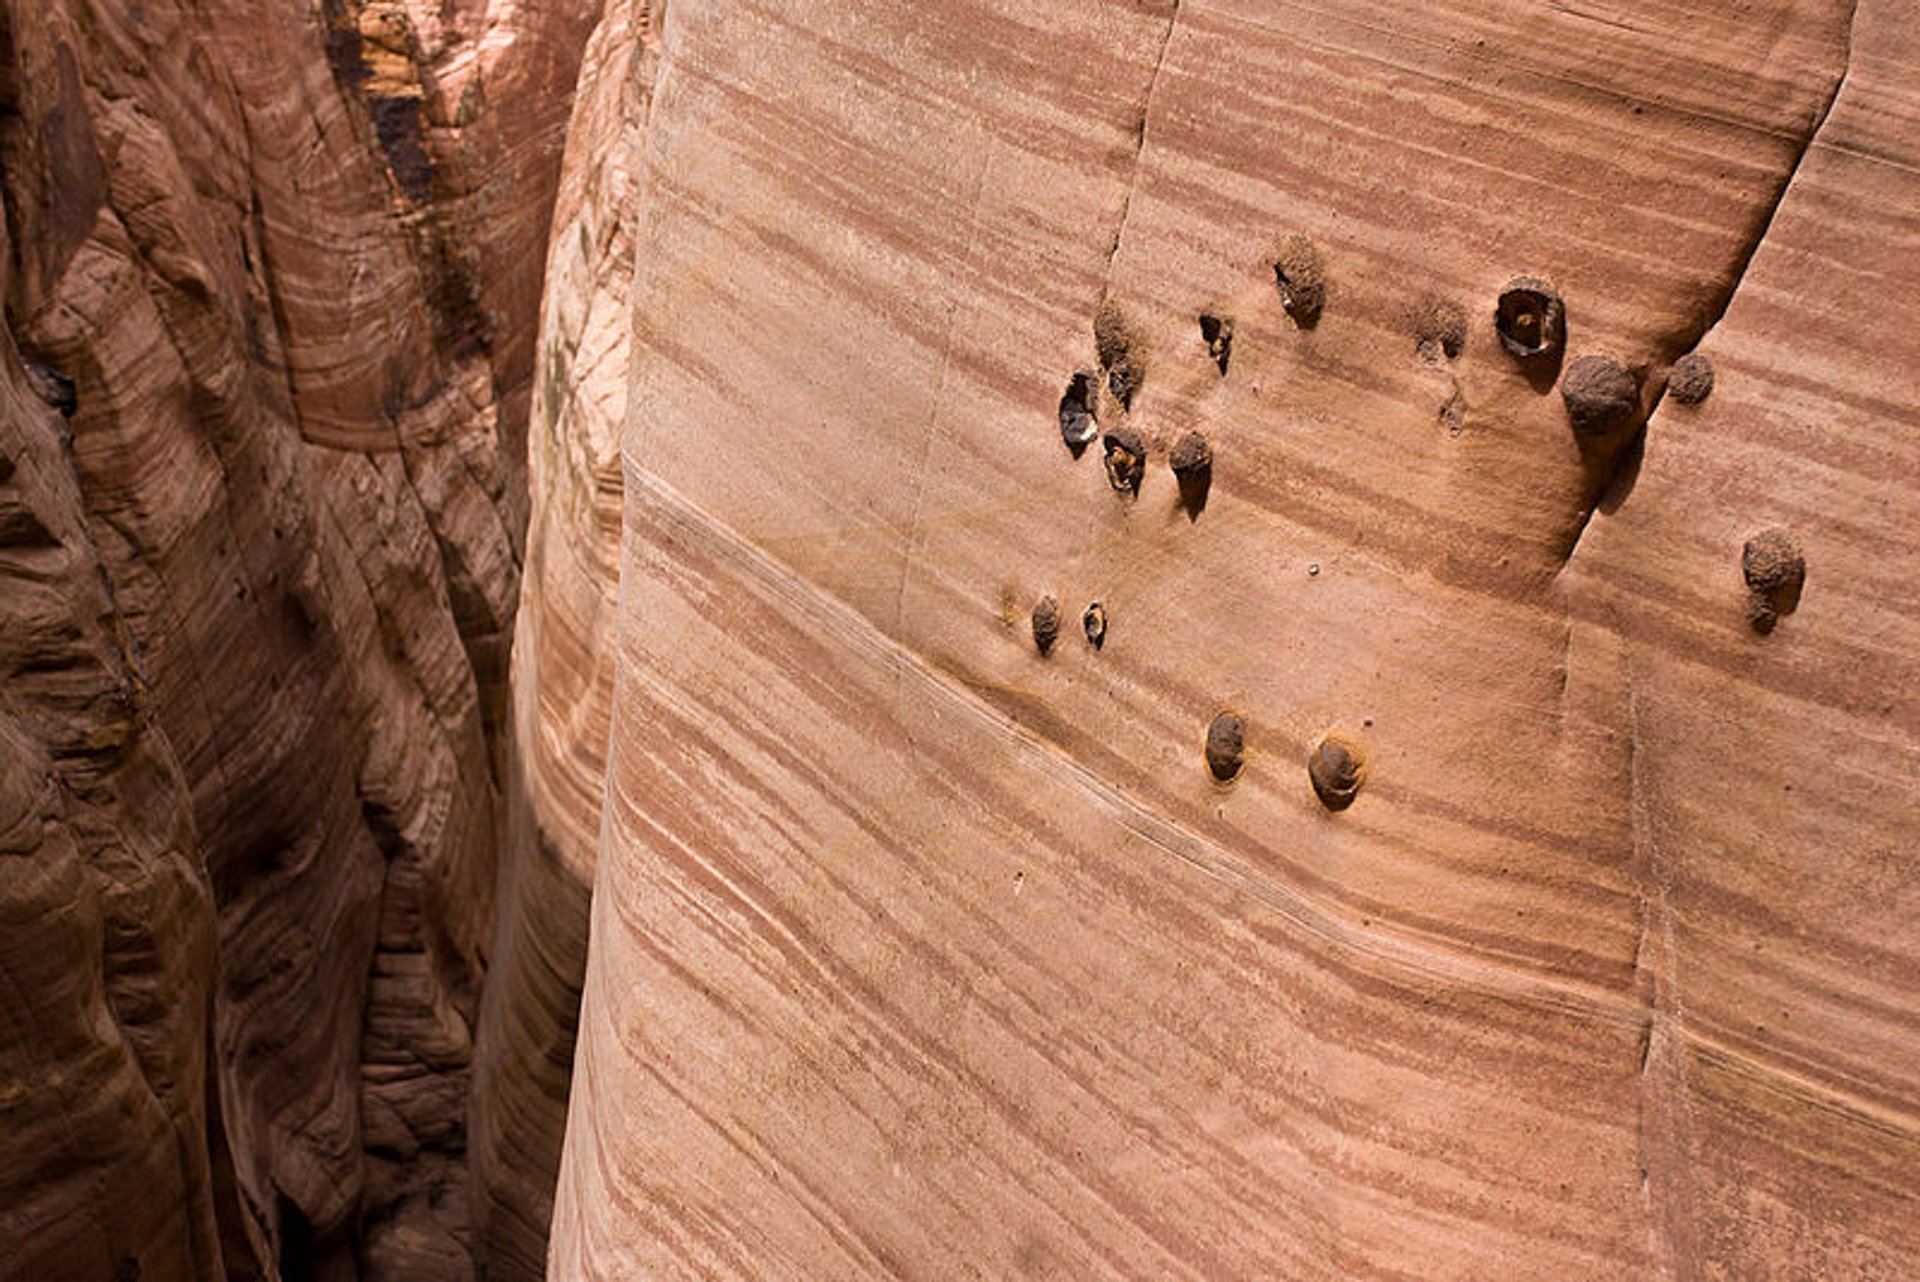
x: 1140, y: 148
x: 1629, y: 458
x: 1739, y: 273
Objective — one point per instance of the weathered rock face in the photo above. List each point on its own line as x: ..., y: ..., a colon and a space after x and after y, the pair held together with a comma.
x: 1391, y: 810
x: 918, y: 950
x: 281, y: 264
x: 562, y: 657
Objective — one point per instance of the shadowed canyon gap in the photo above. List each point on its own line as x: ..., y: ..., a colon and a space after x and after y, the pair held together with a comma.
x: 473, y: 472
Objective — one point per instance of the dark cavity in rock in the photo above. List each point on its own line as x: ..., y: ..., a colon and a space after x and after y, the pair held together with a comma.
x: 1337, y: 769
x: 1301, y: 280
x: 1530, y: 319
x: 1775, y: 572
x: 1217, y: 331
x: 1192, y: 462
x: 1046, y: 625
x: 1077, y: 425
x: 1126, y: 459
x: 1690, y: 381
x: 1094, y: 622
x: 51, y: 386
x: 1441, y: 331
x: 1226, y: 747
x: 1601, y: 395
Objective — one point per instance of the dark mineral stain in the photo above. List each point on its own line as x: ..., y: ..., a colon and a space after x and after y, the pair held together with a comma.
x: 1126, y: 459
x: 1217, y: 331
x: 1440, y: 331
x: 1302, y: 281
x: 1337, y: 769
x: 346, y: 53
x: 1077, y: 425
x: 1192, y: 462
x: 1094, y: 622
x: 1226, y: 747
x: 51, y: 386
x: 1046, y: 625
x: 396, y: 122
x: 1601, y: 395
x: 1530, y: 319
x: 1775, y: 572
x: 1690, y: 381
x: 127, y: 1270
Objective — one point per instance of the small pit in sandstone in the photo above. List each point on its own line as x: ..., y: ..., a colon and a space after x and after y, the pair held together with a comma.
x: 1690, y: 381
x: 1226, y: 747
x: 1077, y: 425
x: 1601, y: 395
x: 1530, y: 319
x: 1192, y: 462
x: 1301, y: 279
x: 1126, y: 460
x: 1046, y: 625
x: 1337, y: 768
x: 1217, y: 333
x: 1775, y: 571
x: 1094, y: 623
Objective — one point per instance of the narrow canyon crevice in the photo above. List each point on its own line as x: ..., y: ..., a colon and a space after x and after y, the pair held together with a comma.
x: 272, y: 284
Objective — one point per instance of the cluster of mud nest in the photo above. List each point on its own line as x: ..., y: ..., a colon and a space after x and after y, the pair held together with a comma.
x: 1097, y: 405
x: 1602, y: 396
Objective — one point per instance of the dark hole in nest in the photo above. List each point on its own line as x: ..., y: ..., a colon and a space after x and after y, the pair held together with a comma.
x: 1094, y: 623
x: 1530, y: 319
x: 1217, y: 332
x: 1077, y: 425
x: 1126, y: 460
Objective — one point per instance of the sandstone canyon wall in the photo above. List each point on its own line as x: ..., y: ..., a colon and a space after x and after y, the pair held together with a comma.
x: 279, y: 266
x: 918, y: 952
x: 719, y: 355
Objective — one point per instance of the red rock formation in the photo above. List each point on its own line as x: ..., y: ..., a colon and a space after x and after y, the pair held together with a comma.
x: 1423, y: 840
x: 288, y: 258
x: 563, y: 658
x: 915, y: 951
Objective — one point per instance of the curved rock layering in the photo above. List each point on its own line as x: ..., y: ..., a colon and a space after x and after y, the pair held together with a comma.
x: 280, y: 265
x: 576, y: 700
x: 918, y: 952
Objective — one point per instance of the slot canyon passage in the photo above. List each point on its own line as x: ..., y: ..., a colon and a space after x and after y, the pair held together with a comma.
x: 847, y: 638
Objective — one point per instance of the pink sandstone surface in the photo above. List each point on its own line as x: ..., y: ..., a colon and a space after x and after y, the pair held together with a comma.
x: 522, y: 745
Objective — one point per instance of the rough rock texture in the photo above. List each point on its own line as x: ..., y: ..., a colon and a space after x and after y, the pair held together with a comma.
x: 288, y: 256
x: 106, y: 916
x: 562, y: 658
x: 916, y: 953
